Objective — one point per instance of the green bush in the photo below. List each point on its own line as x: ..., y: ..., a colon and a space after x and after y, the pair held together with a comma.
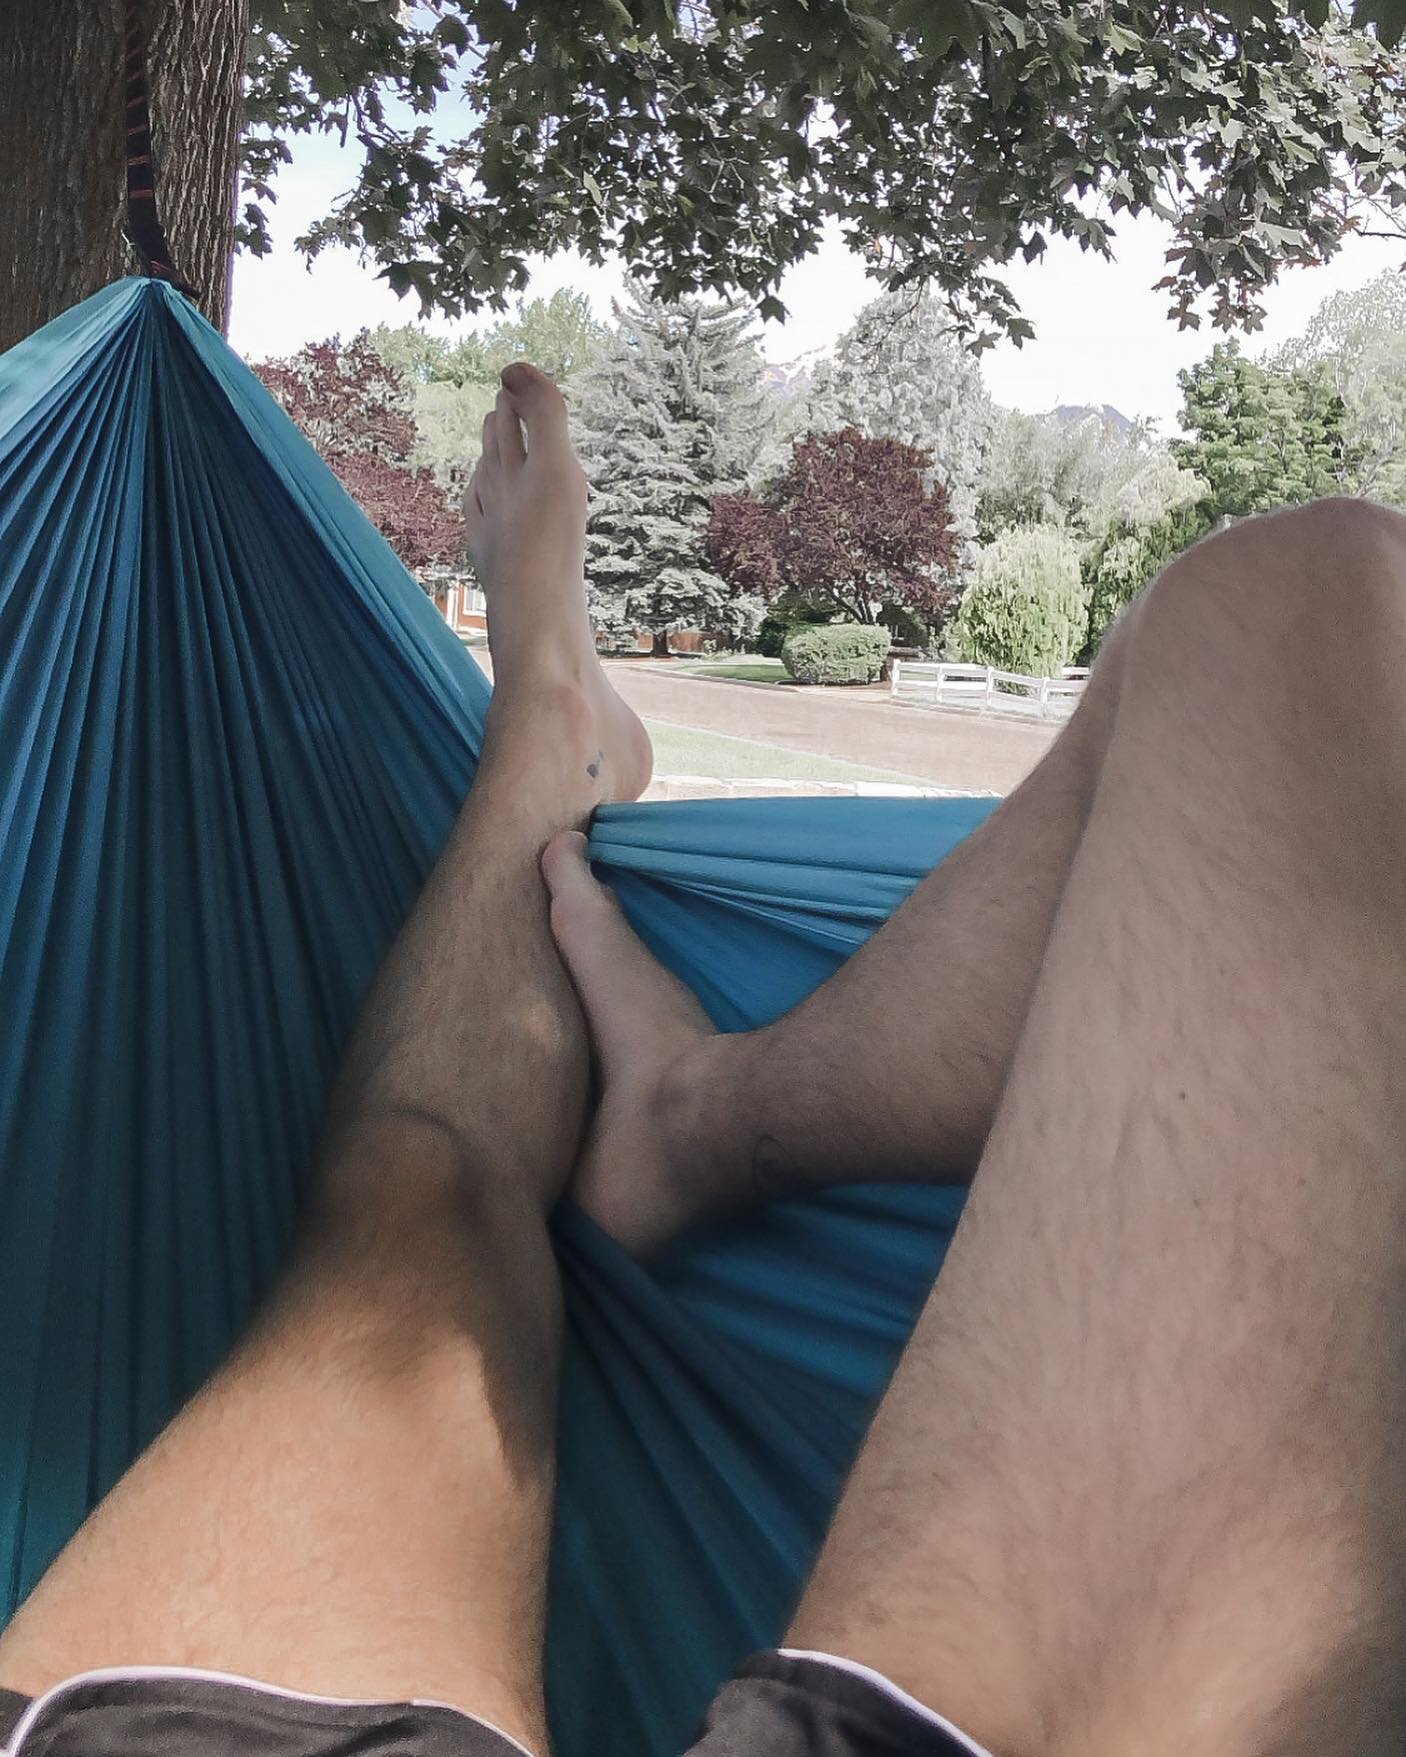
x: 1027, y: 606
x: 840, y: 652
x: 1126, y: 559
x: 906, y: 627
x: 787, y: 616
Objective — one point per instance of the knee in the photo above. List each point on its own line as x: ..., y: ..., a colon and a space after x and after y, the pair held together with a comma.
x: 1320, y: 589
x: 400, y: 1219
x: 408, y: 1253
x: 389, y: 1177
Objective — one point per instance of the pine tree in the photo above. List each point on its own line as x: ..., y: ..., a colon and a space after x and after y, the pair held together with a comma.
x: 899, y: 373
x: 674, y: 413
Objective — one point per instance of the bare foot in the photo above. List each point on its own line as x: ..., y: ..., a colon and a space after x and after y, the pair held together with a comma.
x: 525, y: 512
x: 647, y: 1171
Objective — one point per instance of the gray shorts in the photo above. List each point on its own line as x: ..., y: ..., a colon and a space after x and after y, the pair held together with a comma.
x: 777, y: 1705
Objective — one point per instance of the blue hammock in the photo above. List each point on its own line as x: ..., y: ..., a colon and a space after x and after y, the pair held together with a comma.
x: 233, y: 735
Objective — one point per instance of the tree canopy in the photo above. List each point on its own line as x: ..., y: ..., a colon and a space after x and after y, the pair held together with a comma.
x: 560, y: 334
x: 453, y: 382
x: 673, y: 413
x: 1358, y: 338
x: 855, y: 522
x: 898, y: 373
x: 1261, y: 438
x: 356, y: 411
x: 1068, y: 468
x: 707, y: 143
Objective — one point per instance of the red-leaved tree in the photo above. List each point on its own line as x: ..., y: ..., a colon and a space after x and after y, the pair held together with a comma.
x: 356, y: 410
x: 851, y: 519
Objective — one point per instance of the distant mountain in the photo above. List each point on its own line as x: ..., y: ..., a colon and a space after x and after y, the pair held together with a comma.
x: 1105, y: 412
x: 789, y: 378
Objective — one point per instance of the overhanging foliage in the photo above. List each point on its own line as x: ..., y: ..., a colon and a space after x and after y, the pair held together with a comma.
x: 708, y: 142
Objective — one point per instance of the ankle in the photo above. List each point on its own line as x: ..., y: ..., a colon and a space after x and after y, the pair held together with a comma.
x: 540, y: 715
x: 542, y: 743
x: 715, y: 1146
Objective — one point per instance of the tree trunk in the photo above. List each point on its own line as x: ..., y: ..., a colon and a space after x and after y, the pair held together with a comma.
x: 660, y: 649
x: 63, y: 145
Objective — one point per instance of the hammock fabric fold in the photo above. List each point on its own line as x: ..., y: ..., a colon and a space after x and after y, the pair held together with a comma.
x: 233, y: 736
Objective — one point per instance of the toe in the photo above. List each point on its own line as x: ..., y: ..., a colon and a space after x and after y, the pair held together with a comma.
x: 630, y: 999
x: 476, y: 538
x: 507, y: 431
x: 538, y: 401
x: 581, y: 906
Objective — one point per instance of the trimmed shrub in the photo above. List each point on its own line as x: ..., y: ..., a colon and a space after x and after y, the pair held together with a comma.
x: 1027, y: 606
x: 787, y: 616
x: 840, y: 652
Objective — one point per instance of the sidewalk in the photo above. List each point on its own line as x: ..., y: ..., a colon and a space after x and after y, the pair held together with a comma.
x: 715, y: 787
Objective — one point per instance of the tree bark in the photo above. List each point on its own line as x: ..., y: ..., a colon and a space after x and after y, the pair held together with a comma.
x: 660, y: 649
x: 63, y: 147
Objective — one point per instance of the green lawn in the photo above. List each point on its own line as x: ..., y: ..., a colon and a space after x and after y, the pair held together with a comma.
x: 741, y: 670
x: 679, y: 750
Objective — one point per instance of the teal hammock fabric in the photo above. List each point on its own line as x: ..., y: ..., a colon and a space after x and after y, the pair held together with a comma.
x: 233, y: 735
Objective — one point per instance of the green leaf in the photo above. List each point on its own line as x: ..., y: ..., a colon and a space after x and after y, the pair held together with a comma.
x: 874, y: 31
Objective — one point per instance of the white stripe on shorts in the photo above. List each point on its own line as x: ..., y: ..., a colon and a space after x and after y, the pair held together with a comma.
x: 889, y: 1688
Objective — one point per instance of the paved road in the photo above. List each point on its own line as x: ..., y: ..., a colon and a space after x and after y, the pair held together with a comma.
x: 945, y: 748
x: 941, y: 747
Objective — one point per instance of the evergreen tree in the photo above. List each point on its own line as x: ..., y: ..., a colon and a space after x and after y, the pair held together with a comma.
x: 899, y: 373
x: 673, y: 414
x: 1261, y: 438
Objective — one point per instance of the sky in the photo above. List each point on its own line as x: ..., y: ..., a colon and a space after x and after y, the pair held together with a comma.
x: 1102, y: 333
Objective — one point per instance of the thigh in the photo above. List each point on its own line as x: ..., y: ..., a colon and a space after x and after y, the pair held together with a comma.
x: 355, y: 1506
x: 1139, y: 1466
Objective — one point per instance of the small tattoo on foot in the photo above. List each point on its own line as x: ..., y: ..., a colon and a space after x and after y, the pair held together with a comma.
x: 594, y: 769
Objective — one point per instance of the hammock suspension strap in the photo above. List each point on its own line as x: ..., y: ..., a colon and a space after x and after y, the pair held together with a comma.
x: 143, y: 222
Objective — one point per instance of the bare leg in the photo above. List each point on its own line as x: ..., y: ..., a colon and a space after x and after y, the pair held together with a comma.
x: 692, y: 1121
x: 1138, y: 1479
x: 1138, y: 1482
x: 358, y: 1504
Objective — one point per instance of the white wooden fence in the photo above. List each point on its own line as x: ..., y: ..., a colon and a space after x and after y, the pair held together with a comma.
x: 985, y: 690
